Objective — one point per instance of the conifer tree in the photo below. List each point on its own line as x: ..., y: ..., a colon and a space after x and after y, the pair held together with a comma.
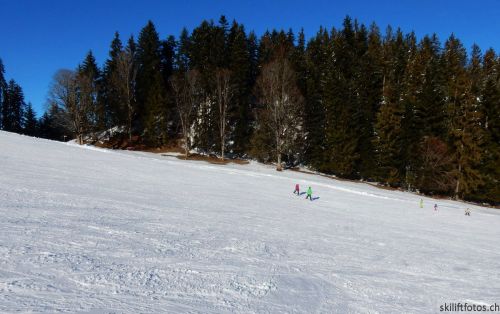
x: 167, y: 54
x: 317, y: 61
x: 13, y: 108
x: 464, y: 131
x: 182, y: 56
x: 368, y: 91
x: 3, y: 89
x: 52, y: 125
x: 240, y: 65
x: 341, y: 128
x: 30, y: 123
x: 151, y: 99
x: 89, y: 82
x: 207, y: 49
x: 389, y: 136
x: 114, y: 105
x: 490, y: 116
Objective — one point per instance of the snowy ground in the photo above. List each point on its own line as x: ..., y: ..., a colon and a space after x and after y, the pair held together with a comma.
x: 90, y: 230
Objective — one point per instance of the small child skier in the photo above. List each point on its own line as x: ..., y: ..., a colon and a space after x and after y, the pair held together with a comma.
x: 309, y: 193
x: 297, y: 189
x: 421, y: 203
x: 467, y: 211
x: 436, y: 207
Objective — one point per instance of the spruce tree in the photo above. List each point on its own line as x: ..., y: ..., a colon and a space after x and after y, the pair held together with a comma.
x: 182, y: 55
x: 89, y: 77
x: 3, y: 89
x: 369, y: 94
x: 465, y: 134
x: 490, y: 116
x: 167, y: 54
x: 240, y: 65
x: 151, y: 99
x: 389, y: 136
x: 341, y: 127
x: 30, y: 123
x: 316, y: 60
x: 13, y: 108
x: 207, y: 48
x: 114, y: 104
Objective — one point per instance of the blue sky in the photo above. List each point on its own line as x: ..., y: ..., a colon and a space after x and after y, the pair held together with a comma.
x: 39, y: 37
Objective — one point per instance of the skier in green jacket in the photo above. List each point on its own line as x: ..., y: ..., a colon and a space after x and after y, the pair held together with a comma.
x: 309, y: 193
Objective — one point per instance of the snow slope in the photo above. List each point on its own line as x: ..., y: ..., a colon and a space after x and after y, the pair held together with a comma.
x: 90, y: 230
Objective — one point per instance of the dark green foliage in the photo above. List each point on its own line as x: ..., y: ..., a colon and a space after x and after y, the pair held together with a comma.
x: 490, y: 114
x: 316, y: 56
x: 242, y: 79
x: 13, y: 108
x: 30, y: 123
x: 342, y: 108
x: 52, y: 126
x: 90, y: 85
x: 115, y: 106
x: 151, y: 95
x: 3, y: 88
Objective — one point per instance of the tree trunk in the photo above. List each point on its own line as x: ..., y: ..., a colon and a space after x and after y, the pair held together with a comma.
x: 222, y: 149
x: 278, y: 151
x: 186, y: 148
x: 457, y: 187
x: 129, y: 126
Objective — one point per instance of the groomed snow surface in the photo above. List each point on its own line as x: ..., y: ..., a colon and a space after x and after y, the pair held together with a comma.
x: 90, y: 230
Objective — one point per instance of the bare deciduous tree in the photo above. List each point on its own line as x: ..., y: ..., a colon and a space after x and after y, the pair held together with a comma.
x: 87, y: 102
x: 65, y: 95
x: 124, y: 80
x: 281, y: 97
x: 224, y: 94
x: 187, y: 92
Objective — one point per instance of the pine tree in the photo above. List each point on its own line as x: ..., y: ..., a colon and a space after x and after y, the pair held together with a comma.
x: 207, y: 48
x: 341, y: 127
x: 30, y: 123
x: 240, y: 65
x: 89, y: 78
x: 151, y: 99
x: 464, y: 132
x: 167, y: 54
x: 316, y: 60
x: 489, y: 108
x: 182, y: 56
x: 368, y: 89
x: 114, y: 104
x: 13, y: 108
x: 3, y: 89
x: 389, y: 135
x: 52, y: 126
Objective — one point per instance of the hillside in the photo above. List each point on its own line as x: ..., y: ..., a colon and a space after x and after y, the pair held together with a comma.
x: 84, y: 229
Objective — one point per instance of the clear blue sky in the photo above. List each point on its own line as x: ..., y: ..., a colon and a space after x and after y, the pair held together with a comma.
x: 39, y: 37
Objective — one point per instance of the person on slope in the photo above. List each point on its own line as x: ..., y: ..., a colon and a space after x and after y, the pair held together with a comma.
x: 309, y: 193
x: 421, y: 203
x: 297, y: 189
x: 435, y: 207
x: 467, y: 211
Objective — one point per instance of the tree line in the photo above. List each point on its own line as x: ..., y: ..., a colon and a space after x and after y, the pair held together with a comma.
x: 352, y: 102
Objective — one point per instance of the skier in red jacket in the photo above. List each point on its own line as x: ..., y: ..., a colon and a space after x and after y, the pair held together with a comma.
x: 297, y: 189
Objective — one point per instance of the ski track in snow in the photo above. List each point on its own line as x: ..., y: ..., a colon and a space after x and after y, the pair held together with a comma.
x: 84, y: 229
